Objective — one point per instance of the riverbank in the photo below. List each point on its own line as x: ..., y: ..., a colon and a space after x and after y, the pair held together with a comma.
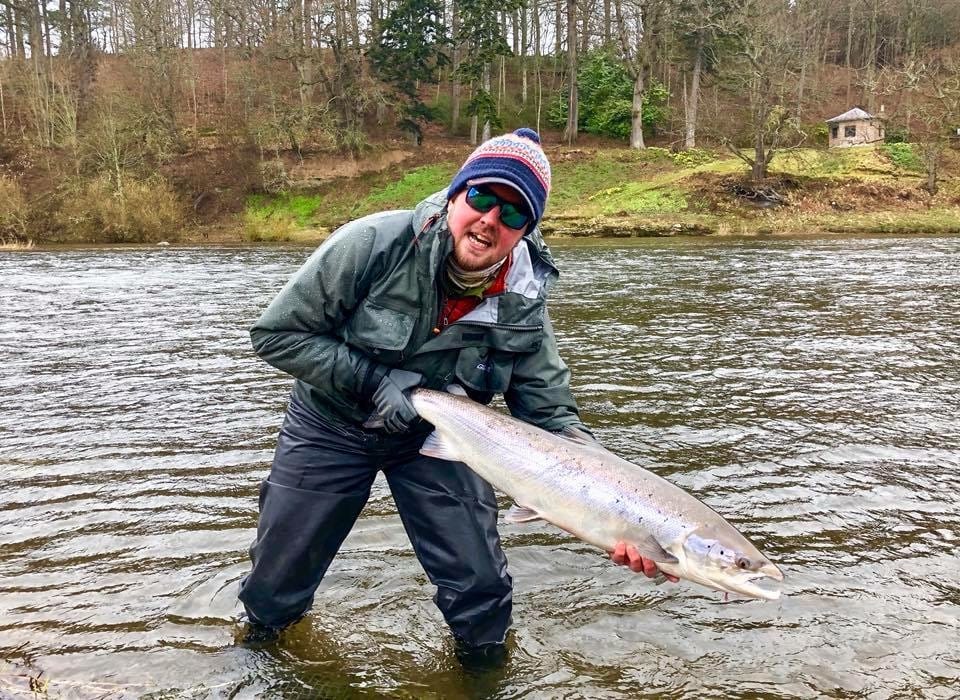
x: 599, y: 190
x: 616, y: 192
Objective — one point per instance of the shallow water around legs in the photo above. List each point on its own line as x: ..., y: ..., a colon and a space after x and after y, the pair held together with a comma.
x: 806, y: 389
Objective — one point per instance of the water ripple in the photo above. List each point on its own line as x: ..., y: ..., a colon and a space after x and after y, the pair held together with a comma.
x: 807, y: 389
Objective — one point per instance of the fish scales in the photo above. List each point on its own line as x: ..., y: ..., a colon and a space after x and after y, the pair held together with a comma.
x: 592, y: 493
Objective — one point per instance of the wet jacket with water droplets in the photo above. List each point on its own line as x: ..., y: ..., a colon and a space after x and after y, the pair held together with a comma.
x: 371, y: 293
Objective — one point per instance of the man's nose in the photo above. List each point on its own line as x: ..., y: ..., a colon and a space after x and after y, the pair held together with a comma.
x: 492, y: 217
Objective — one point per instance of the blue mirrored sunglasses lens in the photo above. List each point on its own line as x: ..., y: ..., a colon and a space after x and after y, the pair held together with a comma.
x: 480, y: 200
x: 484, y: 201
x: 513, y: 217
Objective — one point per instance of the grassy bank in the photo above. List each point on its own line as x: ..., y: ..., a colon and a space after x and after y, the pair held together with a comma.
x: 598, y: 190
x: 616, y: 192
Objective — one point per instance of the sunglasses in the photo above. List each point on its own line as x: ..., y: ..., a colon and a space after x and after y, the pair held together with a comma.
x: 483, y: 200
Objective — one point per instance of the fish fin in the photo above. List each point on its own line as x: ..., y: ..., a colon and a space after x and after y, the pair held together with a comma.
x: 456, y: 390
x: 434, y: 446
x: 374, y: 422
x: 577, y: 435
x: 521, y: 514
x: 651, y: 549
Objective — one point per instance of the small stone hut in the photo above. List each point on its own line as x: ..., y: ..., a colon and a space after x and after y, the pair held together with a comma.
x: 854, y: 128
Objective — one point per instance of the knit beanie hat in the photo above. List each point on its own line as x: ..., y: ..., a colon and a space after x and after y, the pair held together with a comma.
x: 513, y: 159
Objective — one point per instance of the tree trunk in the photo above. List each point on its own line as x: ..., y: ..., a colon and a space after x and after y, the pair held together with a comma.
x: 46, y: 28
x: 873, y: 33
x: 307, y: 42
x: 486, y: 86
x: 573, y: 102
x: 3, y: 108
x: 759, y: 170
x: 536, y: 59
x: 35, y: 32
x: 636, y: 113
x: 607, y: 31
x: 693, y: 99
x: 932, y: 178
x: 501, y: 84
x: 15, y: 37
x: 66, y: 28
x: 800, y: 85
x: 524, y: 41
x: 847, y: 62
x: 584, y: 18
x: 455, y: 63
x: 558, y: 45
x: 931, y: 156
x: 354, y: 25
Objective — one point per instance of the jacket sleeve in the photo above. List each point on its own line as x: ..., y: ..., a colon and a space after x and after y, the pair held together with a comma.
x: 299, y: 331
x: 539, y: 390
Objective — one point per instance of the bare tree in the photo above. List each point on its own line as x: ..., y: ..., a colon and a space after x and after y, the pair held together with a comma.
x: 766, y: 59
x: 636, y: 20
x: 573, y: 103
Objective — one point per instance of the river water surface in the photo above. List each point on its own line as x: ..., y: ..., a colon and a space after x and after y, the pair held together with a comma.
x: 807, y: 389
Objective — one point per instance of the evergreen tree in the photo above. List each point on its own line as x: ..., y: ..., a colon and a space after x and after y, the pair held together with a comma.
x: 407, y: 50
x: 481, y: 37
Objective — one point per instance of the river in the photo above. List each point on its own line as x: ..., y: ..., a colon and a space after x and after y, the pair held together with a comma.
x: 808, y: 389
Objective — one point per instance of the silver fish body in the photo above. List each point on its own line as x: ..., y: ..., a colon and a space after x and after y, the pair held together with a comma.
x: 603, y: 499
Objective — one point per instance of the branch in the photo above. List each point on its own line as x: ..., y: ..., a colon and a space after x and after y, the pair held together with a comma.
x: 736, y: 151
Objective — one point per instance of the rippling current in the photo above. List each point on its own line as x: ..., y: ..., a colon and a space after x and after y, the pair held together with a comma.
x: 808, y: 389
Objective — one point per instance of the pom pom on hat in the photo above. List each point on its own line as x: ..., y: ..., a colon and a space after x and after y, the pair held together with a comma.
x: 516, y: 160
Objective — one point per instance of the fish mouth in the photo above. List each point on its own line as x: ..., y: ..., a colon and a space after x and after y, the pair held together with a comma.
x: 744, y: 584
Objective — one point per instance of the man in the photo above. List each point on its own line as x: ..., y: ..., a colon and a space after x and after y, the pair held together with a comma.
x: 453, y: 291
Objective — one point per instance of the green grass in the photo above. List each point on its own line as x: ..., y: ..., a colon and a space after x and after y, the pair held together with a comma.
x: 930, y: 221
x: 299, y: 208
x: 576, y: 181
x: 279, y: 217
x: 612, y: 189
x: 406, y: 192
x: 863, y: 162
x: 640, y: 198
x: 292, y: 217
x: 903, y: 156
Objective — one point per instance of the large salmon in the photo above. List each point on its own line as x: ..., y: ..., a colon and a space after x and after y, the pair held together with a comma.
x: 580, y: 486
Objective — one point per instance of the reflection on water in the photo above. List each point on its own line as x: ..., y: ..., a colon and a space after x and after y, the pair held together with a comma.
x: 807, y: 389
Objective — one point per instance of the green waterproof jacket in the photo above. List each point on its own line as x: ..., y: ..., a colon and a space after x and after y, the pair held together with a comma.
x: 371, y: 293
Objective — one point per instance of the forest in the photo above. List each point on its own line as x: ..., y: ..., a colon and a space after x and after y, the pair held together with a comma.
x: 119, y: 114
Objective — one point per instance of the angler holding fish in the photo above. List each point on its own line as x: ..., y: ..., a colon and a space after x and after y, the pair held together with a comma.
x: 398, y: 305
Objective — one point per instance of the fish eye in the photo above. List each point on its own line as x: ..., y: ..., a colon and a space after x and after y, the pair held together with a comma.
x: 743, y: 563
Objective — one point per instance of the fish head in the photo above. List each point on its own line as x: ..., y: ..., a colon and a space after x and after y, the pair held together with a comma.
x: 725, y: 560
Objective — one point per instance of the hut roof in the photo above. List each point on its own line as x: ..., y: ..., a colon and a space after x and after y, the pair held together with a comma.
x: 852, y: 115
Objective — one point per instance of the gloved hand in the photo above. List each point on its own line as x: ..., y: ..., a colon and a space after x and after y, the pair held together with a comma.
x: 392, y: 401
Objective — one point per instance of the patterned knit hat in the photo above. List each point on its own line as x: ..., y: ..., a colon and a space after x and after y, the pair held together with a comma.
x: 513, y: 159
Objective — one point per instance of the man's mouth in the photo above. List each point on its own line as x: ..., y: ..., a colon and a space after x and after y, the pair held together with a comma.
x: 479, y: 240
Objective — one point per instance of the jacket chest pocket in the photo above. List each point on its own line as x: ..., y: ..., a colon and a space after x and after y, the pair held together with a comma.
x: 382, y: 332
x: 484, y: 369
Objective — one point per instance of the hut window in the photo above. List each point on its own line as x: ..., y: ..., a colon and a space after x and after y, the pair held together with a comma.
x: 849, y: 131
x: 834, y: 131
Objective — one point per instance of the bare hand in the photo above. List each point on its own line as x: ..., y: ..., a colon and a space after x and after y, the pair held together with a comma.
x: 627, y: 555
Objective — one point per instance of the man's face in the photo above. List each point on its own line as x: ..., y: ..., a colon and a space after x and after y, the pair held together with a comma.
x: 481, y: 239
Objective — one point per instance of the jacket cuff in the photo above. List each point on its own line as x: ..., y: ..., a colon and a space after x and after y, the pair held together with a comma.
x: 373, y: 375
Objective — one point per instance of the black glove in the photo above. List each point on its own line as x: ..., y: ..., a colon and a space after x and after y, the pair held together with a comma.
x: 392, y: 401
